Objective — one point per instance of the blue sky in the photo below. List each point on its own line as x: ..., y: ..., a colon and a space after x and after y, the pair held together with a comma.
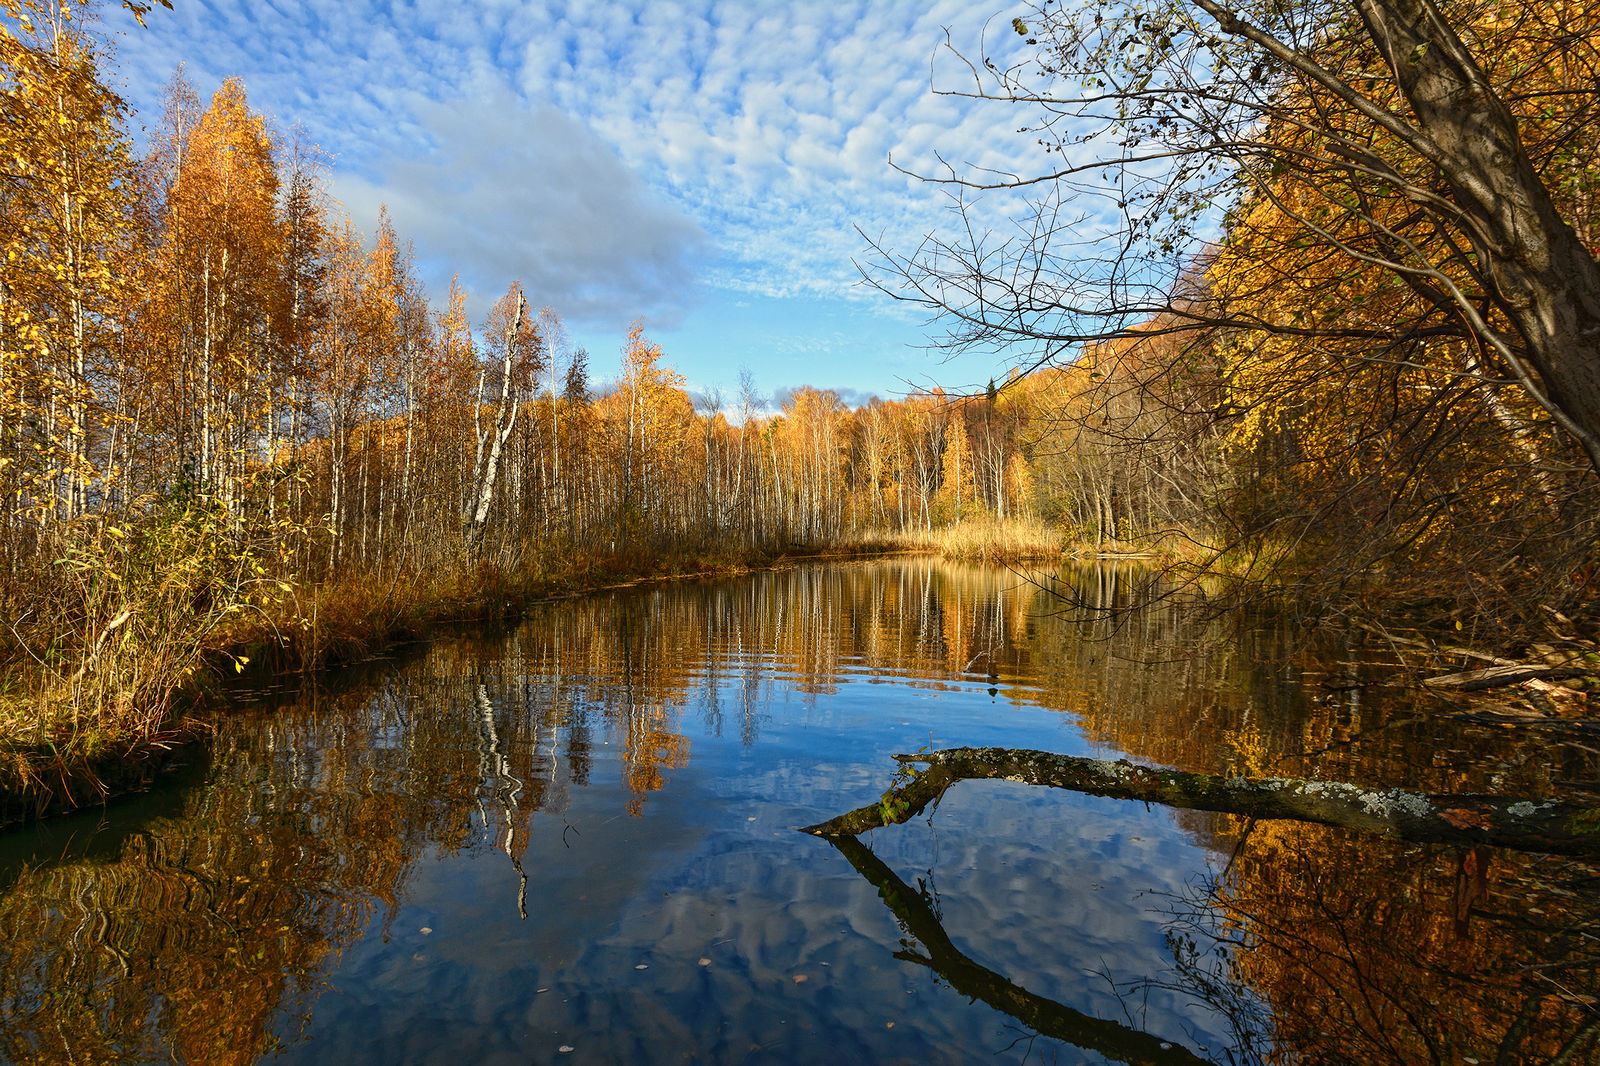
x: 702, y: 166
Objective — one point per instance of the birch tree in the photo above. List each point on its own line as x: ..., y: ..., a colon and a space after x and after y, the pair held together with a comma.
x: 517, y: 342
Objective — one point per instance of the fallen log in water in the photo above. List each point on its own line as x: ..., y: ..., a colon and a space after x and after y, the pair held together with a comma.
x: 1511, y: 674
x: 1527, y: 825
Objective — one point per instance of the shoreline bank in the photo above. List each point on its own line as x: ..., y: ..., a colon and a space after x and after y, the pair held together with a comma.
x: 338, y: 624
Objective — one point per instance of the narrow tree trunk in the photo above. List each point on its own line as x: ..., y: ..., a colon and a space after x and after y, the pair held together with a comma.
x: 505, y: 420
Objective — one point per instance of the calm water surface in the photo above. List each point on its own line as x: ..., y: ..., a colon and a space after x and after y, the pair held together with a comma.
x: 576, y: 843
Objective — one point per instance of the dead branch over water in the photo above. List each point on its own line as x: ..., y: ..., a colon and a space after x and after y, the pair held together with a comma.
x: 1545, y: 825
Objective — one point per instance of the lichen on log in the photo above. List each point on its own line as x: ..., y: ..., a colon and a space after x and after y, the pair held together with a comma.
x: 1544, y: 825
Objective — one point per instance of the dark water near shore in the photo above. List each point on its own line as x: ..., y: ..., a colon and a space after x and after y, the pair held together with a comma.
x: 576, y: 842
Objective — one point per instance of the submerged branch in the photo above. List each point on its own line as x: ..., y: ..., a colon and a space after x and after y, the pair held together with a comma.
x: 1527, y: 825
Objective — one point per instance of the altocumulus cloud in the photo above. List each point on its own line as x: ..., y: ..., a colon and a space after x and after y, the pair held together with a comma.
x: 507, y: 191
x: 622, y: 157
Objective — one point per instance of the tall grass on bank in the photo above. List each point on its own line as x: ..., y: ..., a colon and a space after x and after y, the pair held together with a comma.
x: 359, y: 614
x: 112, y: 647
x: 103, y: 638
x: 1012, y: 540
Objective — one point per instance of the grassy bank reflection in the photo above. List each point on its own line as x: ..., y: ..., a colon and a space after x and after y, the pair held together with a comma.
x: 207, y: 933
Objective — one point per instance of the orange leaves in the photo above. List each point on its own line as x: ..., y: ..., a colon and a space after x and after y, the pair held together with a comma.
x: 641, y: 363
x: 65, y: 223
x: 1466, y: 819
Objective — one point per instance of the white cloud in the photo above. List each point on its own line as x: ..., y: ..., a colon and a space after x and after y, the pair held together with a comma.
x: 597, y: 149
x: 507, y: 192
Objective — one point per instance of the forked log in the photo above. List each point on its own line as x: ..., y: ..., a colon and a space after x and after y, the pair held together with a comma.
x: 1546, y: 825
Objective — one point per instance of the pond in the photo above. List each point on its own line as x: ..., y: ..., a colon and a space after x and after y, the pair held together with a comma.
x: 577, y: 842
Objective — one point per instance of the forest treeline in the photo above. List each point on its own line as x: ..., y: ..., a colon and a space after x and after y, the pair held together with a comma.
x: 228, y: 415
x: 231, y: 421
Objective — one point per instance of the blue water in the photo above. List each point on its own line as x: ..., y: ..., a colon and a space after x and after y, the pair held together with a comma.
x: 578, y: 842
x: 707, y: 929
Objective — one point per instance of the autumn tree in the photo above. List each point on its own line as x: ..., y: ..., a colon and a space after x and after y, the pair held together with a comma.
x: 1405, y: 191
x: 218, y: 282
x: 1391, y: 106
x: 810, y: 442
x: 956, y: 490
x: 302, y: 309
x: 518, y: 353
x: 647, y: 416
x: 65, y: 221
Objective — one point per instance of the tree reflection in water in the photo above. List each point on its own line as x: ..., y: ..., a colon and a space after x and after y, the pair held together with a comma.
x: 918, y: 917
x: 1322, y: 945
x: 1372, y: 951
x: 206, y: 935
